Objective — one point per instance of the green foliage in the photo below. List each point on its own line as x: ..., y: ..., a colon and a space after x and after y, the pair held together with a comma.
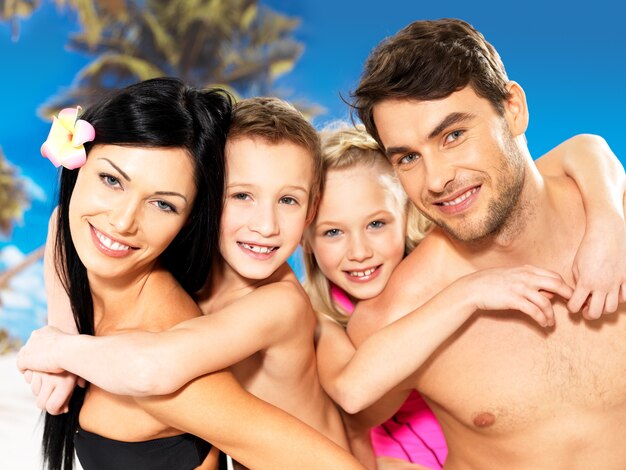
x: 238, y: 44
x: 13, y: 197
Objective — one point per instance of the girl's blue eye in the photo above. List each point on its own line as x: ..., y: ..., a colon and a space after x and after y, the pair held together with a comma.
x: 240, y: 196
x: 333, y: 232
x: 377, y: 224
x: 288, y: 200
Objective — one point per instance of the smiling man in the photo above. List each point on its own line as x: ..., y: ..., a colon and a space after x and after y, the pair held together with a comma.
x: 507, y: 393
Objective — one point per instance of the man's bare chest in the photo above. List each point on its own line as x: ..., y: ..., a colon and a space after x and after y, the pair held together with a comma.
x: 500, y: 371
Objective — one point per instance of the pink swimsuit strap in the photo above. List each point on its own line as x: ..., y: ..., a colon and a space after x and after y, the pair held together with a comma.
x: 341, y: 298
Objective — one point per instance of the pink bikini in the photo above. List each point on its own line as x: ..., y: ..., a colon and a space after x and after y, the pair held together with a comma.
x: 413, y: 433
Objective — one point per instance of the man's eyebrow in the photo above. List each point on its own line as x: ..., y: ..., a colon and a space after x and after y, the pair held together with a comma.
x: 449, y: 120
x: 391, y: 151
x: 117, y: 168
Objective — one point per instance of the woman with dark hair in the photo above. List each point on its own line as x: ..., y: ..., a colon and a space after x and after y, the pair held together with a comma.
x: 137, y: 233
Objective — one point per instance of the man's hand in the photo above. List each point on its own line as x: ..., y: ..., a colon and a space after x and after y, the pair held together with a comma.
x: 600, y: 269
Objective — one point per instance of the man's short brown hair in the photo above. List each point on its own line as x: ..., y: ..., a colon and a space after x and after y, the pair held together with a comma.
x: 276, y: 121
x: 429, y: 60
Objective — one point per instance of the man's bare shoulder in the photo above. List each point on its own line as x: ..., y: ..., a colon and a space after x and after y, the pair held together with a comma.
x: 415, y: 280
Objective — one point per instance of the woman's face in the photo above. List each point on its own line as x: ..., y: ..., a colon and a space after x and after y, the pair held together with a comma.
x: 128, y: 204
x: 358, y: 235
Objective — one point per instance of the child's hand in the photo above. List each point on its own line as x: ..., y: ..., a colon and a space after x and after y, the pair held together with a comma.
x: 526, y: 288
x: 600, y: 270
x: 36, y: 354
x: 53, y: 391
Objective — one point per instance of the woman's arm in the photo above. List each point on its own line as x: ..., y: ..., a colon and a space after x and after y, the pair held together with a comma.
x: 388, y: 357
x: 253, y: 432
x: 144, y: 363
x: 53, y: 391
x: 599, y: 268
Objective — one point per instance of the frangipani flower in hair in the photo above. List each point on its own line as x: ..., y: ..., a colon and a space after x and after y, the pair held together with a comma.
x: 64, y: 145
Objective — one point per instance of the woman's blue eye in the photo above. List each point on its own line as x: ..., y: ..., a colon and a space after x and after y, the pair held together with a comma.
x: 166, y: 206
x: 109, y: 180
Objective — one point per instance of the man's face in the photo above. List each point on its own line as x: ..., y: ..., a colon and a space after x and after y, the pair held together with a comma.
x: 456, y: 159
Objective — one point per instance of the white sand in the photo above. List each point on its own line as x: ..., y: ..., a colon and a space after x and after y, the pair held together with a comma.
x: 20, y: 425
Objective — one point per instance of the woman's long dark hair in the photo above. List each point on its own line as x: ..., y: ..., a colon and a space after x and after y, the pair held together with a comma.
x: 161, y: 112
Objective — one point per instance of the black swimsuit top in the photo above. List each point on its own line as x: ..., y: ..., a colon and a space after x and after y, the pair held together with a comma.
x: 181, y: 452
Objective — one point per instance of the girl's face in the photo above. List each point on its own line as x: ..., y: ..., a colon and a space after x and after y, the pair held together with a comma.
x: 358, y: 235
x: 128, y: 204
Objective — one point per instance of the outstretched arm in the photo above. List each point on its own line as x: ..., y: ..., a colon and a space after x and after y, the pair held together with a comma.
x: 599, y: 266
x: 144, y: 363
x: 389, y: 356
x: 253, y: 432
x: 53, y: 391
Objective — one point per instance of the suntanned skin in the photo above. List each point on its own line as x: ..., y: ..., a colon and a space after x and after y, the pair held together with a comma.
x: 285, y: 373
x: 507, y: 393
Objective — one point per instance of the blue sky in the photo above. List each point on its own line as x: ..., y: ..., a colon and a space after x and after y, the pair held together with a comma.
x: 569, y: 57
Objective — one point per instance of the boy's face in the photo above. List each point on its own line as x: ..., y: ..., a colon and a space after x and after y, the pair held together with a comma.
x: 266, y: 203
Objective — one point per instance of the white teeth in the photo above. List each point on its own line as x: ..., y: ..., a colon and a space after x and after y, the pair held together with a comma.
x: 367, y: 272
x: 460, y: 199
x: 258, y: 249
x: 110, y: 244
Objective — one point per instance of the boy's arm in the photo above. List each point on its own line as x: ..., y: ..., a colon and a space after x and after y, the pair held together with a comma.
x: 255, y: 433
x: 145, y: 363
x: 600, y: 265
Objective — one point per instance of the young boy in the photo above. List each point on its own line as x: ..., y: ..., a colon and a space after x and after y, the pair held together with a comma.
x: 258, y: 320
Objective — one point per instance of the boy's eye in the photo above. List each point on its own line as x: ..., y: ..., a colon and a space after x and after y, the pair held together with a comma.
x: 288, y: 200
x: 377, y: 224
x: 454, y: 135
x: 333, y: 232
x: 109, y: 180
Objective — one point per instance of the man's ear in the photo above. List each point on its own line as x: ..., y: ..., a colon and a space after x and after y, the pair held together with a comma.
x: 516, y: 109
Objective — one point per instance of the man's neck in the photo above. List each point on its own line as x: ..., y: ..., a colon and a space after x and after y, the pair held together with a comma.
x: 528, y: 226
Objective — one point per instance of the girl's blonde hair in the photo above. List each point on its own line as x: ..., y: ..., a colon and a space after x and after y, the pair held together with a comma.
x: 345, y: 146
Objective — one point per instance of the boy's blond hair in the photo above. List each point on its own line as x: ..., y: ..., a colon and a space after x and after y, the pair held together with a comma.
x: 276, y: 121
x: 345, y: 146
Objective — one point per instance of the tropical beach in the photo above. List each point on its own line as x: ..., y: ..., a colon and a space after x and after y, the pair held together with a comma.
x: 20, y: 424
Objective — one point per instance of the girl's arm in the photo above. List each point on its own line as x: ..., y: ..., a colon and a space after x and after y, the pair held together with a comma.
x: 144, y: 363
x: 357, y: 379
x: 253, y: 432
x: 599, y: 268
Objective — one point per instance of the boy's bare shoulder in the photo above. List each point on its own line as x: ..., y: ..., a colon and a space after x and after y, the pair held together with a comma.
x: 285, y: 301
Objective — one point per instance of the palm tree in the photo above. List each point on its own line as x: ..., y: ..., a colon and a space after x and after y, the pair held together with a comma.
x: 13, y: 197
x: 13, y: 201
x: 238, y: 44
x: 13, y: 10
